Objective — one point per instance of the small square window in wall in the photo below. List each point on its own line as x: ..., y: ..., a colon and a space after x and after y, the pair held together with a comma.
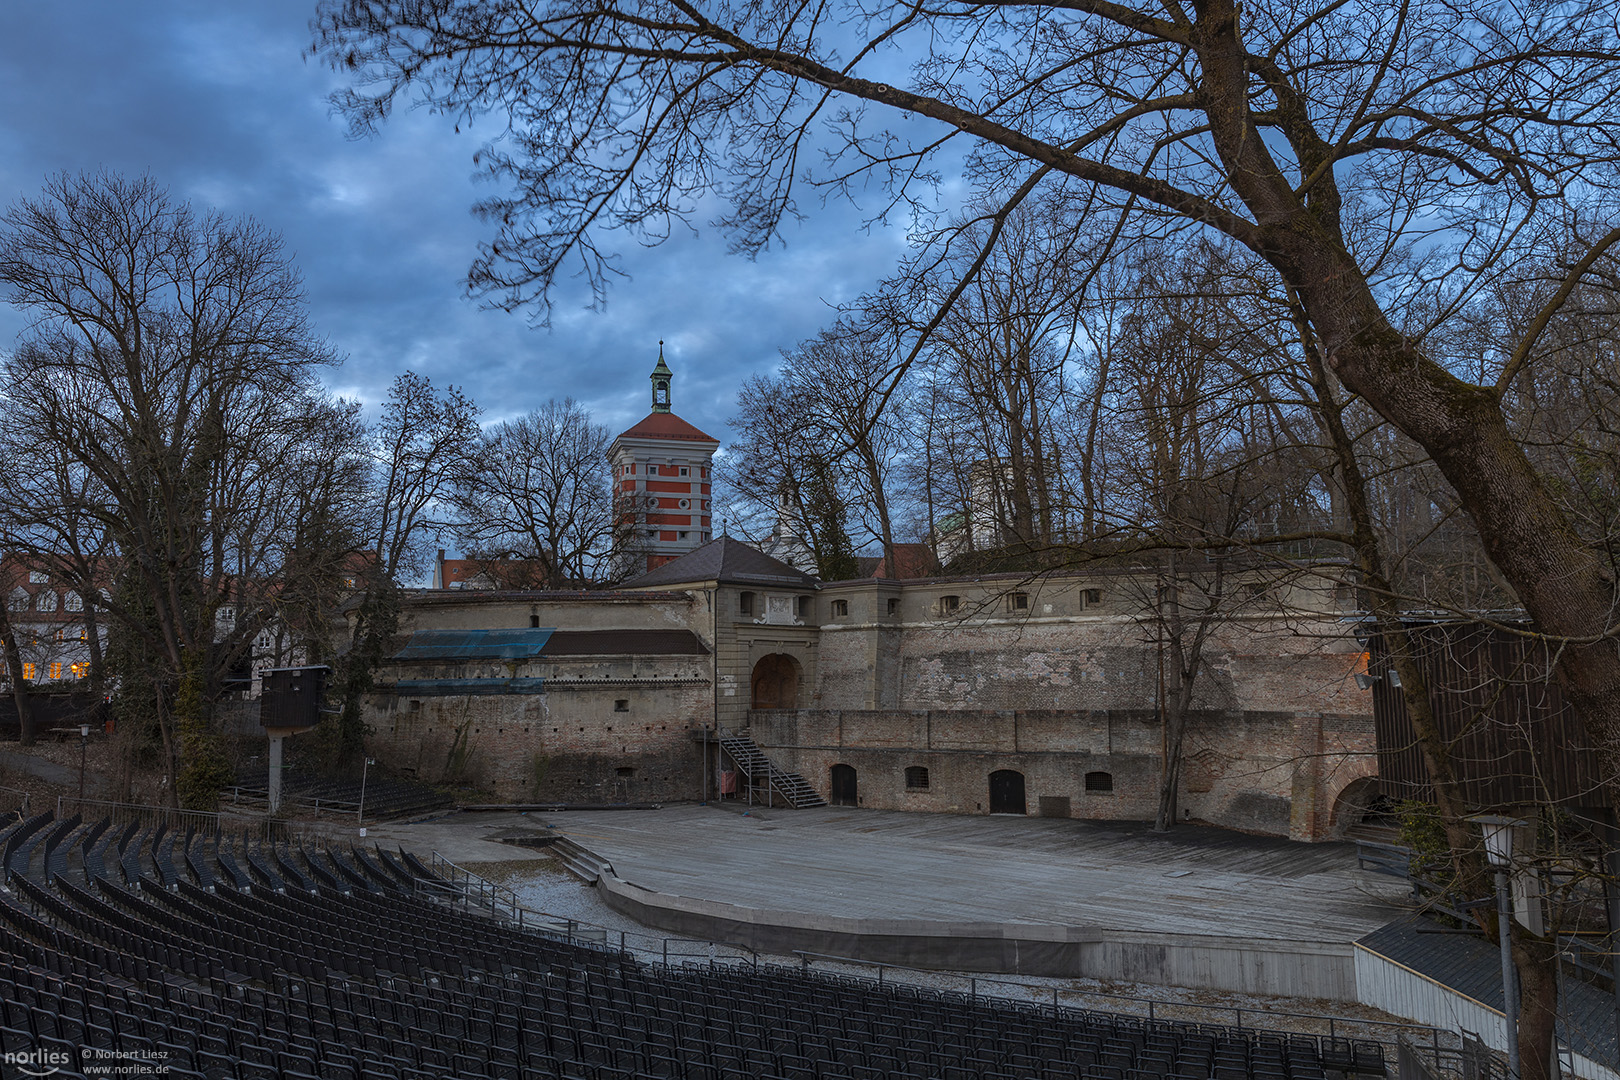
x: 840, y: 608
x: 1092, y: 596
x: 916, y: 778
x: 416, y: 706
x: 621, y: 705
x: 948, y: 605
x: 1018, y: 601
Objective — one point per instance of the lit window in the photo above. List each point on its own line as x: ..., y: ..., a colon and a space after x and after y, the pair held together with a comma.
x: 916, y: 778
x: 28, y: 672
x: 73, y: 601
x: 45, y: 601
x: 60, y: 635
x: 56, y: 669
x: 81, y: 670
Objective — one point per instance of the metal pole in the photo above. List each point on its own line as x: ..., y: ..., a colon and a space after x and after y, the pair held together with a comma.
x: 1510, y: 1004
x: 275, y: 775
x: 360, y: 815
x: 84, y: 748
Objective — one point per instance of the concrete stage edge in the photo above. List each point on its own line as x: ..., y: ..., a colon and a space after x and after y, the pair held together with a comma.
x: 1312, y: 969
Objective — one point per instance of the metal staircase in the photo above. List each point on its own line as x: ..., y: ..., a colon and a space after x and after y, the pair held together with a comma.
x: 753, y: 764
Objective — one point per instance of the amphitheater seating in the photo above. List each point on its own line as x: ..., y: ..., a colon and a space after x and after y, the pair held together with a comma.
x: 329, y: 964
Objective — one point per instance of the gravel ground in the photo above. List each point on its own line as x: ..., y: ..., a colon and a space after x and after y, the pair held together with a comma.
x: 544, y: 886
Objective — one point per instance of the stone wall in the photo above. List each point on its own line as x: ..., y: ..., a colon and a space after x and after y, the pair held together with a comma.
x: 1268, y: 772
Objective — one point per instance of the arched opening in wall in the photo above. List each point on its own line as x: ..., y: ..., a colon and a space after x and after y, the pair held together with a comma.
x: 776, y: 682
x: 843, y: 786
x: 1007, y: 792
x: 1099, y: 782
x: 1363, y: 809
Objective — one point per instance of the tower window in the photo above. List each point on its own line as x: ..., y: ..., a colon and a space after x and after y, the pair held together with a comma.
x: 894, y: 605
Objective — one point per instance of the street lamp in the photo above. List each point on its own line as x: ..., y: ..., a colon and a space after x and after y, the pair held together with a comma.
x: 360, y: 815
x: 1498, y: 832
x: 84, y: 745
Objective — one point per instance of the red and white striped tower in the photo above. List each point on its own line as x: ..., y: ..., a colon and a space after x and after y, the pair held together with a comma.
x: 662, y: 472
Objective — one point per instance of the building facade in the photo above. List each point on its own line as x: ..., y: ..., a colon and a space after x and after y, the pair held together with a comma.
x: 992, y: 694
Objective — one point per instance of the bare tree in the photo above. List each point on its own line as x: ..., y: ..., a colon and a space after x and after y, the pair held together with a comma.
x: 1264, y: 123
x: 169, y: 359
x: 539, y: 490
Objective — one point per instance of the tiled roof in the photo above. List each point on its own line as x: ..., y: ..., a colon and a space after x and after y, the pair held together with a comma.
x: 624, y: 643
x: 543, y: 642
x: 667, y: 426
x: 727, y: 560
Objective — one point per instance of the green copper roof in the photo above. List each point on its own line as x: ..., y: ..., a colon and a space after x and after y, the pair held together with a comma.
x: 474, y: 644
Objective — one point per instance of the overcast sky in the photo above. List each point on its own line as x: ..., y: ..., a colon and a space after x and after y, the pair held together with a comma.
x: 216, y: 102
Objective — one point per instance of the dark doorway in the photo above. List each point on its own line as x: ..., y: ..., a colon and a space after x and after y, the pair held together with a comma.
x: 776, y: 682
x: 1007, y: 792
x: 843, y: 785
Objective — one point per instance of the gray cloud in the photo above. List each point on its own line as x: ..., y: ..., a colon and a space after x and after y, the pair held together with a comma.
x: 216, y: 101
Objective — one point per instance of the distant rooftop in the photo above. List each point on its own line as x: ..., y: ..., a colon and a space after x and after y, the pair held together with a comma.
x: 729, y: 561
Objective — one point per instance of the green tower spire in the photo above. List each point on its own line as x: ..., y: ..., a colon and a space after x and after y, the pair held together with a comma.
x: 661, y: 376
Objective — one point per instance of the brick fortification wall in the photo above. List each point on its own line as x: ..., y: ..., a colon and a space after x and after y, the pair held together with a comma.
x: 603, y: 728
x: 1279, y: 728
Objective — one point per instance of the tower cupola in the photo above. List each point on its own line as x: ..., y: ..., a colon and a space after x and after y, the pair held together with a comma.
x: 661, y: 376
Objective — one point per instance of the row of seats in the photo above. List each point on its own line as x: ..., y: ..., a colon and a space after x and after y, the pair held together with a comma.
x: 234, y: 959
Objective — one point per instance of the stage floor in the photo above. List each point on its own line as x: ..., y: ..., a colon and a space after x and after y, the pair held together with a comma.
x: 876, y: 864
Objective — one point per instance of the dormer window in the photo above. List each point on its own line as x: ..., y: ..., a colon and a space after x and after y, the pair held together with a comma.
x: 45, y: 601
x: 18, y: 601
x: 38, y: 577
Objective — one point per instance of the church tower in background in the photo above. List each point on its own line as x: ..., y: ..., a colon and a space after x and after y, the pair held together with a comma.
x: 662, y: 476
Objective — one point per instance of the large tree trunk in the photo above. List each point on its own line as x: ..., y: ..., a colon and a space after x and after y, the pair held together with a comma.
x: 19, y: 685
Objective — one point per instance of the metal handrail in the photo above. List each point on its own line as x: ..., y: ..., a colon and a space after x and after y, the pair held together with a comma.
x: 1153, y: 1004
x: 203, y: 821
x: 18, y: 791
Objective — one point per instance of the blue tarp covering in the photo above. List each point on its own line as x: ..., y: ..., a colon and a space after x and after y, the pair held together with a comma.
x: 475, y: 644
x: 457, y: 687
